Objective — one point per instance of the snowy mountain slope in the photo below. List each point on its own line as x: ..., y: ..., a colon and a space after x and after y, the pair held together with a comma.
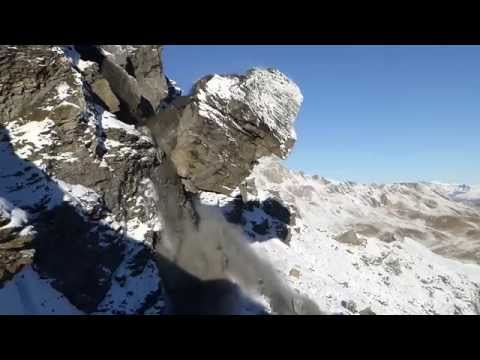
x: 134, y: 280
x: 416, y: 210
x: 28, y: 294
x: 356, y: 246
x: 468, y: 194
x: 403, y: 278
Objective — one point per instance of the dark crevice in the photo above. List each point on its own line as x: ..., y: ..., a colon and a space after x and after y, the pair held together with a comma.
x: 146, y: 108
x: 124, y: 113
x: 129, y: 68
x: 90, y: 53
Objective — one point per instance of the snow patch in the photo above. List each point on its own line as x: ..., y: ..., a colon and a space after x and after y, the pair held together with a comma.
x: 31, y: 137
x: 137, y: 229
x: 28, y: 294
x: 63, y: 91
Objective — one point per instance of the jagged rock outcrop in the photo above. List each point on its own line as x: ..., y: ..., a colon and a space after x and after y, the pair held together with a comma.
x: 144, y: 64
x: 71, y: 138
x: 15, y: 250
x: 29, y: 74
x: 75, y: 181
x: 215, y: 135
x: 128, y: 79
x: 28, y: 77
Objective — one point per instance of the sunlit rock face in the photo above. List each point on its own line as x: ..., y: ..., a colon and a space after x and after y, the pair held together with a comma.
x: 215, y: 135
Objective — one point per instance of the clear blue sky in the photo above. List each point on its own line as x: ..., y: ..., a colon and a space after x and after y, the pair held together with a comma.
x: 370, y: 113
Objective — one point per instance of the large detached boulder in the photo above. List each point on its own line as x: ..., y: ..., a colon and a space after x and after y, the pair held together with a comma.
x: 215, y: 136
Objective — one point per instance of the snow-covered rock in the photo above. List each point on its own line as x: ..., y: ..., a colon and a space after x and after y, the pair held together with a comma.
x: 215, y: 135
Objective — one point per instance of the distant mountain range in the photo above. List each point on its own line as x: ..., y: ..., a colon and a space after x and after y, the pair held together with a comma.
x: 397, y: 248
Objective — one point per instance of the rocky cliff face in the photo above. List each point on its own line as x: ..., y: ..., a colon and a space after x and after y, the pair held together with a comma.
x: 77, y: 175
x: 100, y: 158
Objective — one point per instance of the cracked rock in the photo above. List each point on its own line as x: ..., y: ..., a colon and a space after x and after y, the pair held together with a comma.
x: 215, y: 136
